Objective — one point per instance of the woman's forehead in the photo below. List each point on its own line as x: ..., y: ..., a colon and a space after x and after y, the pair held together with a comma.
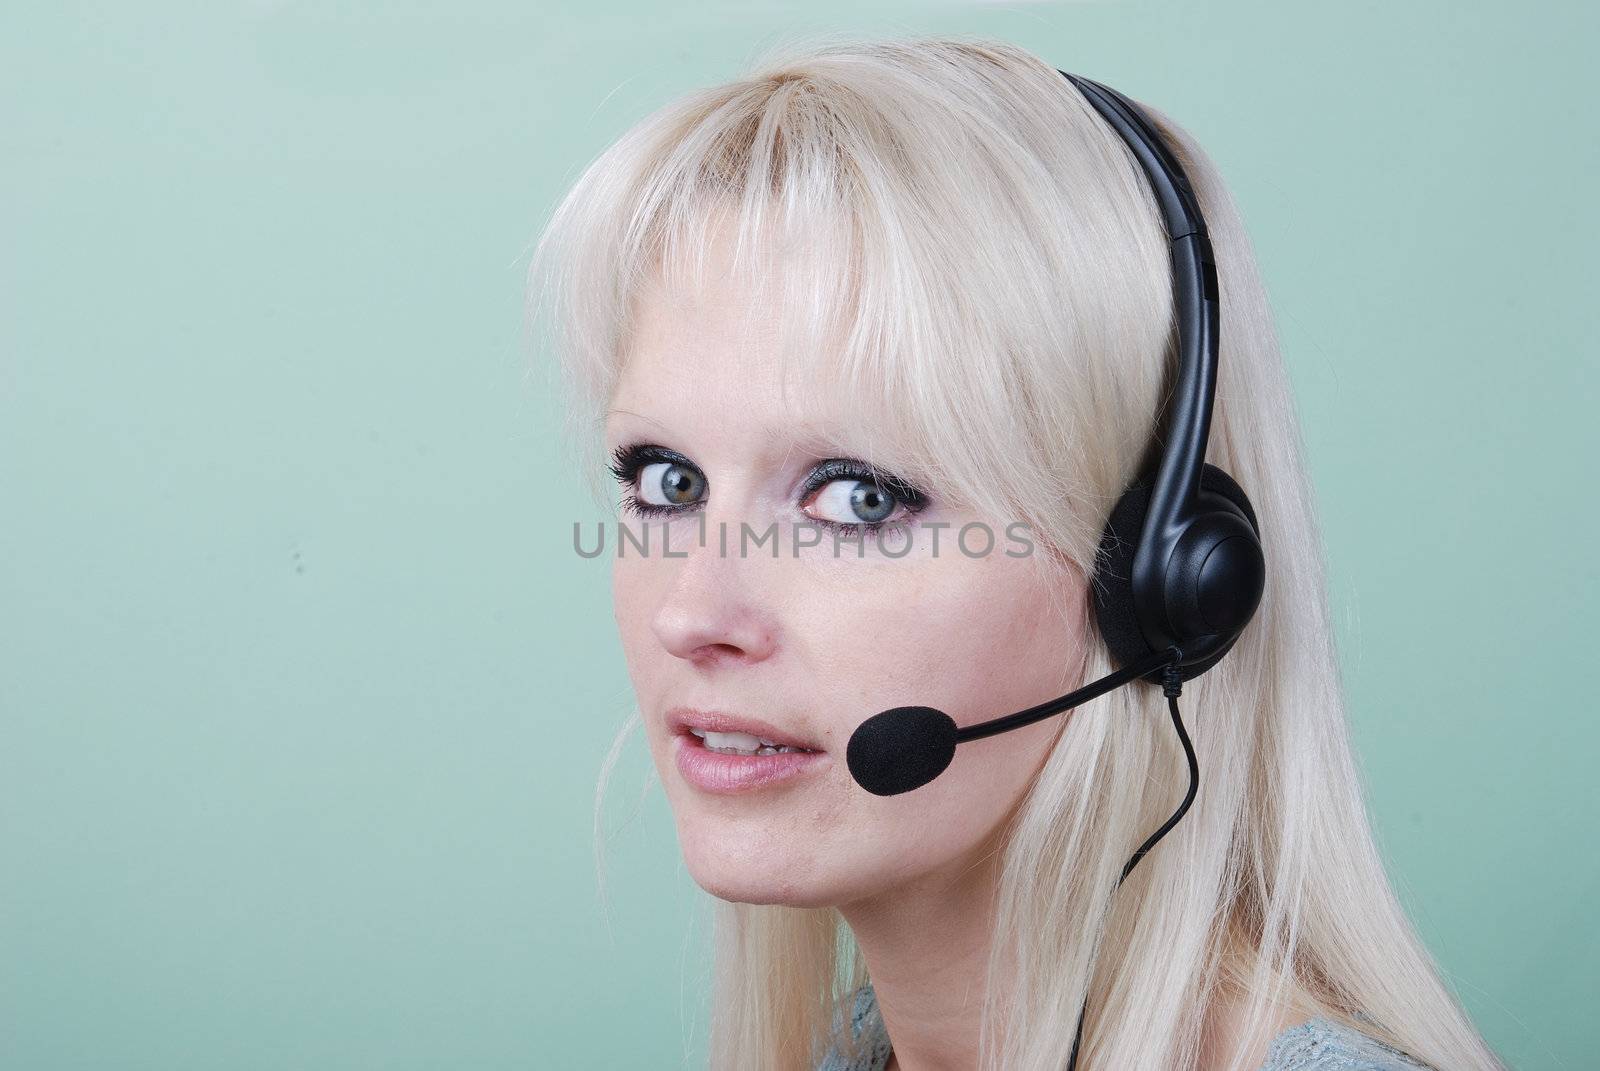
x: 753, y: 432
x: 724, y: 365
x: 758, y: 339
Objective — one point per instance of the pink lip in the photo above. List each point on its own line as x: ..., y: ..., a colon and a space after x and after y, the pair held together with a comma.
x: 723, y: 774
x: 713, y: 771
x: 682, y: 719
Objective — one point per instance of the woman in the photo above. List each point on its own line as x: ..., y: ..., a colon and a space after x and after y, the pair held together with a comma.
x: 872, y: 296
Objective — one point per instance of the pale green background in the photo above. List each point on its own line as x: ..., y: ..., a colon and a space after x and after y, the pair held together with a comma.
x: 304, y: 694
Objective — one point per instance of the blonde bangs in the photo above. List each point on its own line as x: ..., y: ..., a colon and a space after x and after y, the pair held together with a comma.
x: 920, y: 304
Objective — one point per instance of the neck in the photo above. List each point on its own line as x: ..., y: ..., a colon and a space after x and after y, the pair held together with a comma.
x: 927, y: 951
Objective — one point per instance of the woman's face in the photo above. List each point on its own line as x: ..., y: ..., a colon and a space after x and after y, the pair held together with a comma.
x: 800, y: 648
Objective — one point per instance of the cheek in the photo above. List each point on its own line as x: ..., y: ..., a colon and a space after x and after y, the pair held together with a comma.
x: 653, y: 672
x: 980, y: 643
x: 973, y: 638
x: 632, y: 601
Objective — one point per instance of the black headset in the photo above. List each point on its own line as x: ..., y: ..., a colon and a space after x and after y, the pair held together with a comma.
x: 1180, y: 562
x: 1179, y: 570
x: 1179, y: 566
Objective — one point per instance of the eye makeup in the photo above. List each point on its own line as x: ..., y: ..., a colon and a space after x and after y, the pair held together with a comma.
x: 629, y: 460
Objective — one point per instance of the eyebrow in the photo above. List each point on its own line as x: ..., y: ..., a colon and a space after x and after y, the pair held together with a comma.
x: 822, y: 436
x: 630, y: 412
x: 808, y: 428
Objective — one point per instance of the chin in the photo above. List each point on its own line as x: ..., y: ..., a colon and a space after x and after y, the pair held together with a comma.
x: 741, y: 882
x: 749, y: 868
x: 743, y: 887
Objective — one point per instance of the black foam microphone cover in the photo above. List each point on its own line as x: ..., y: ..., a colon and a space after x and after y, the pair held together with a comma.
x: 901, y: 749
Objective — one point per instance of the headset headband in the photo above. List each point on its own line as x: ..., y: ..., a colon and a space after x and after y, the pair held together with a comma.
x: 1178, y: 596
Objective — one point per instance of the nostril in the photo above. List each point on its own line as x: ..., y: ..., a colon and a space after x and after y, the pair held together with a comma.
x: 714, y: 653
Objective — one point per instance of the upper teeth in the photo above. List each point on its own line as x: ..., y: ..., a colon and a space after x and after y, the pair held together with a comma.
x: 742, y: 743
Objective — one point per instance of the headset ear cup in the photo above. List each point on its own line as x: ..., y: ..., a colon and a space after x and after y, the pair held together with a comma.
x: 1219, y: 492
x: 1218, y: 482
x: 1112, y: 582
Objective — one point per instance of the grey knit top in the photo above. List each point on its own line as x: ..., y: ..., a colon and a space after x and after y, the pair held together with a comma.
x: 1318, y: 1045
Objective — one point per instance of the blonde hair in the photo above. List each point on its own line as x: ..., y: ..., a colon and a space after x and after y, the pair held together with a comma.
x: 976, y: 255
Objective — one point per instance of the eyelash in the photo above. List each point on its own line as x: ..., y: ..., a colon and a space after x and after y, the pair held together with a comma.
x: 627, y: 461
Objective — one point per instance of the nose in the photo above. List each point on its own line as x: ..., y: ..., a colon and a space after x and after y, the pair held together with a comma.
x: 711, y: 612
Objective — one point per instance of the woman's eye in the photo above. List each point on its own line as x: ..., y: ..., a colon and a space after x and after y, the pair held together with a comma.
x: 842, y: 494
x: 664, y: 483
x: 854, y: 501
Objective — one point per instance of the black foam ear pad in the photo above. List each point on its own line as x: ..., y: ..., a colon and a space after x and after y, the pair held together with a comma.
x: 1112, y: 584
x: 1216, y: 481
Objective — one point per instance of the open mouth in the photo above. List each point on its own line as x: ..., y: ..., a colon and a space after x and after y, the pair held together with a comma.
x: 744, y: 744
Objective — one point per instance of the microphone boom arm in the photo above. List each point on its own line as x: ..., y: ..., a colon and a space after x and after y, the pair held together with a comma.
x: 1055, y: 706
